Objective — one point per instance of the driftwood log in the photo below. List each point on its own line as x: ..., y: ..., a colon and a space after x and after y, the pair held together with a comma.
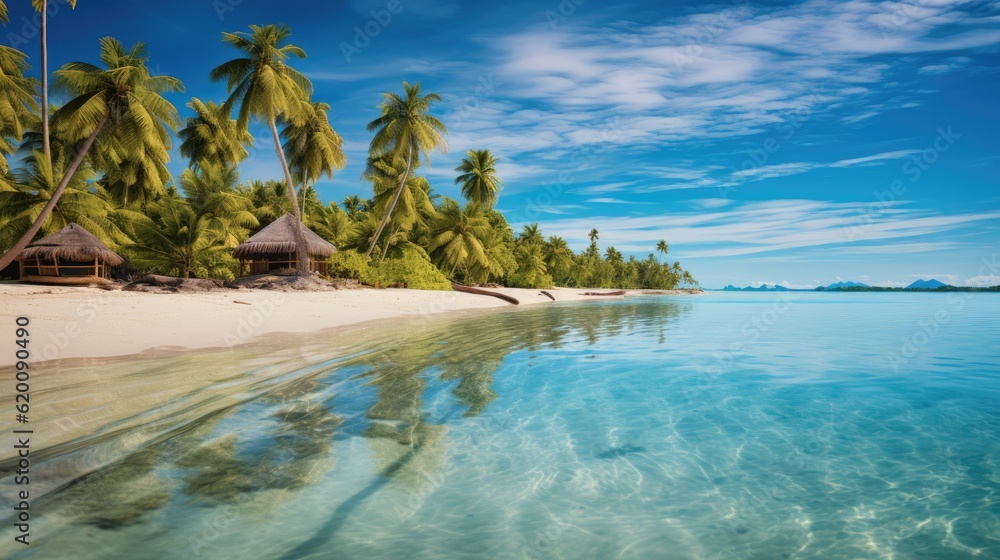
x: 548, y: 295
x: 617, y: 293
x: 482, y: 292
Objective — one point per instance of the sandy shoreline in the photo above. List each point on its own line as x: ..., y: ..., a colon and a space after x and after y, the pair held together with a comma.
x: 76, y: 322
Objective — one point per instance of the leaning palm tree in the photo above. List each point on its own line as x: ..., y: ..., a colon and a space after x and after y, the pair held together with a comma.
x: 479, y: 180
x: 312, y: 147
x: 405, y: 129
x: 122, y: 101
x: 80, y: 203
x: 413, y: 205
x: 267, y: 88
x: 41, y: 6
x: 211, y: 137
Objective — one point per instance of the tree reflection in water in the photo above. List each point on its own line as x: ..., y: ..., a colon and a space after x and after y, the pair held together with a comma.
x: 282, y: 440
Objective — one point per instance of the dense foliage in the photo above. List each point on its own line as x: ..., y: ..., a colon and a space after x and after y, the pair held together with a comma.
x: 100, y: 160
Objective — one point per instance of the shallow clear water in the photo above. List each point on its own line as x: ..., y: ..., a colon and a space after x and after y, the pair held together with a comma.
x: 723, y: 426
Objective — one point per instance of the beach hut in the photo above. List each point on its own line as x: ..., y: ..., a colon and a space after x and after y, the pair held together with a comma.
x: 70, y: 256
x: 274, y: 248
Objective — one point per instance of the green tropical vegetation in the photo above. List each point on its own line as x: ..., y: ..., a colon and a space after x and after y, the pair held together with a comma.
x: 100, y: 159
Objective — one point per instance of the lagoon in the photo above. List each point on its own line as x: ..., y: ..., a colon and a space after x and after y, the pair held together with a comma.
x: 728, y: 425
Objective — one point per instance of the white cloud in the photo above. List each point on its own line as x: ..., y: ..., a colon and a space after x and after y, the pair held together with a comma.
x: 759, y: 227
x: 603, y: 200
x: 983, y: 281
x: 899, y: 154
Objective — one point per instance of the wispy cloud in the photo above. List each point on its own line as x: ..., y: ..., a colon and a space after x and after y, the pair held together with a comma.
x: 759, y: 227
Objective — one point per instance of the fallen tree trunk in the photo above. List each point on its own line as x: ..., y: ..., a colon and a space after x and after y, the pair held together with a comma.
x: 618, y: 293
x: 482, y: 292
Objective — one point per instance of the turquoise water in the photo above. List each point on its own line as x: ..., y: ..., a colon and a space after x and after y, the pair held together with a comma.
x: 721, y: 426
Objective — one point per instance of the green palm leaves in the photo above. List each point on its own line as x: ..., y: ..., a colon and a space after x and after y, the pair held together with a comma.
x: 312, y: 146
x: 405, y: 130
x: 211, y: 137
x: 261, y: 82
x: 180, y: 242
x: 267, y: 88
x: 122, y: 102
x: 456, y: 235
x: 479, y: 180
x: 17, y: 99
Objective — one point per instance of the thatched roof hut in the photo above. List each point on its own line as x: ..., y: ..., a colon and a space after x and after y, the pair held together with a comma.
x: 274, y: 248
x: 70, y: 256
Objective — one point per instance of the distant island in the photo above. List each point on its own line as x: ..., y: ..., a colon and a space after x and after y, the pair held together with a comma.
x: 932, y: 285
x: 761, y: 288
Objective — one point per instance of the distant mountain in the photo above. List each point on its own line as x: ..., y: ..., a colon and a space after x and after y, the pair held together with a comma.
x: 761, y: 288
x: 844, y: 286
x: 931, y: 284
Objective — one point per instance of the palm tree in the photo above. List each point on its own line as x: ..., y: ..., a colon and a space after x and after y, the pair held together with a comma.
x: 267, y: 88
x: 592, y: 250
x: 531, y: 271
x: 331, y: 223
x: 353, y: 204
x: 211, y: 192
x: 179, y: 242
x: 211, y: 136
x: 558, y: 257
x: 405, y: 129
x: 312, y: 147
x: 456, y: 236
x: 122, y: 101
x: 17, y: 100
x: 662, y: 247
x: 270, y: 201
x: 413, y: 206
x: 41, y: 6
x: 32, y: 189
x: 479, y: 180
x: 530, y: 235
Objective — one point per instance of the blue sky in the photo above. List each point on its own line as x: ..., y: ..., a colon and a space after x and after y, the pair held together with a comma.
x: 788, y: 142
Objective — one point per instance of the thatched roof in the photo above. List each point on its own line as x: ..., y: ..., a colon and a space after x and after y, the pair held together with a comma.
x: 279, y: 237
x: 71, y: 243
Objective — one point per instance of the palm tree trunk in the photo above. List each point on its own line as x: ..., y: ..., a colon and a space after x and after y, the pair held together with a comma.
x: 301, y: 251
x: 395, y: 199
x: 46, y: 146
x: 14, y: 251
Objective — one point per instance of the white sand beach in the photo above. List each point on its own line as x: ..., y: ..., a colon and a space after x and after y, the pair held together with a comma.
x: 81, y: 322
